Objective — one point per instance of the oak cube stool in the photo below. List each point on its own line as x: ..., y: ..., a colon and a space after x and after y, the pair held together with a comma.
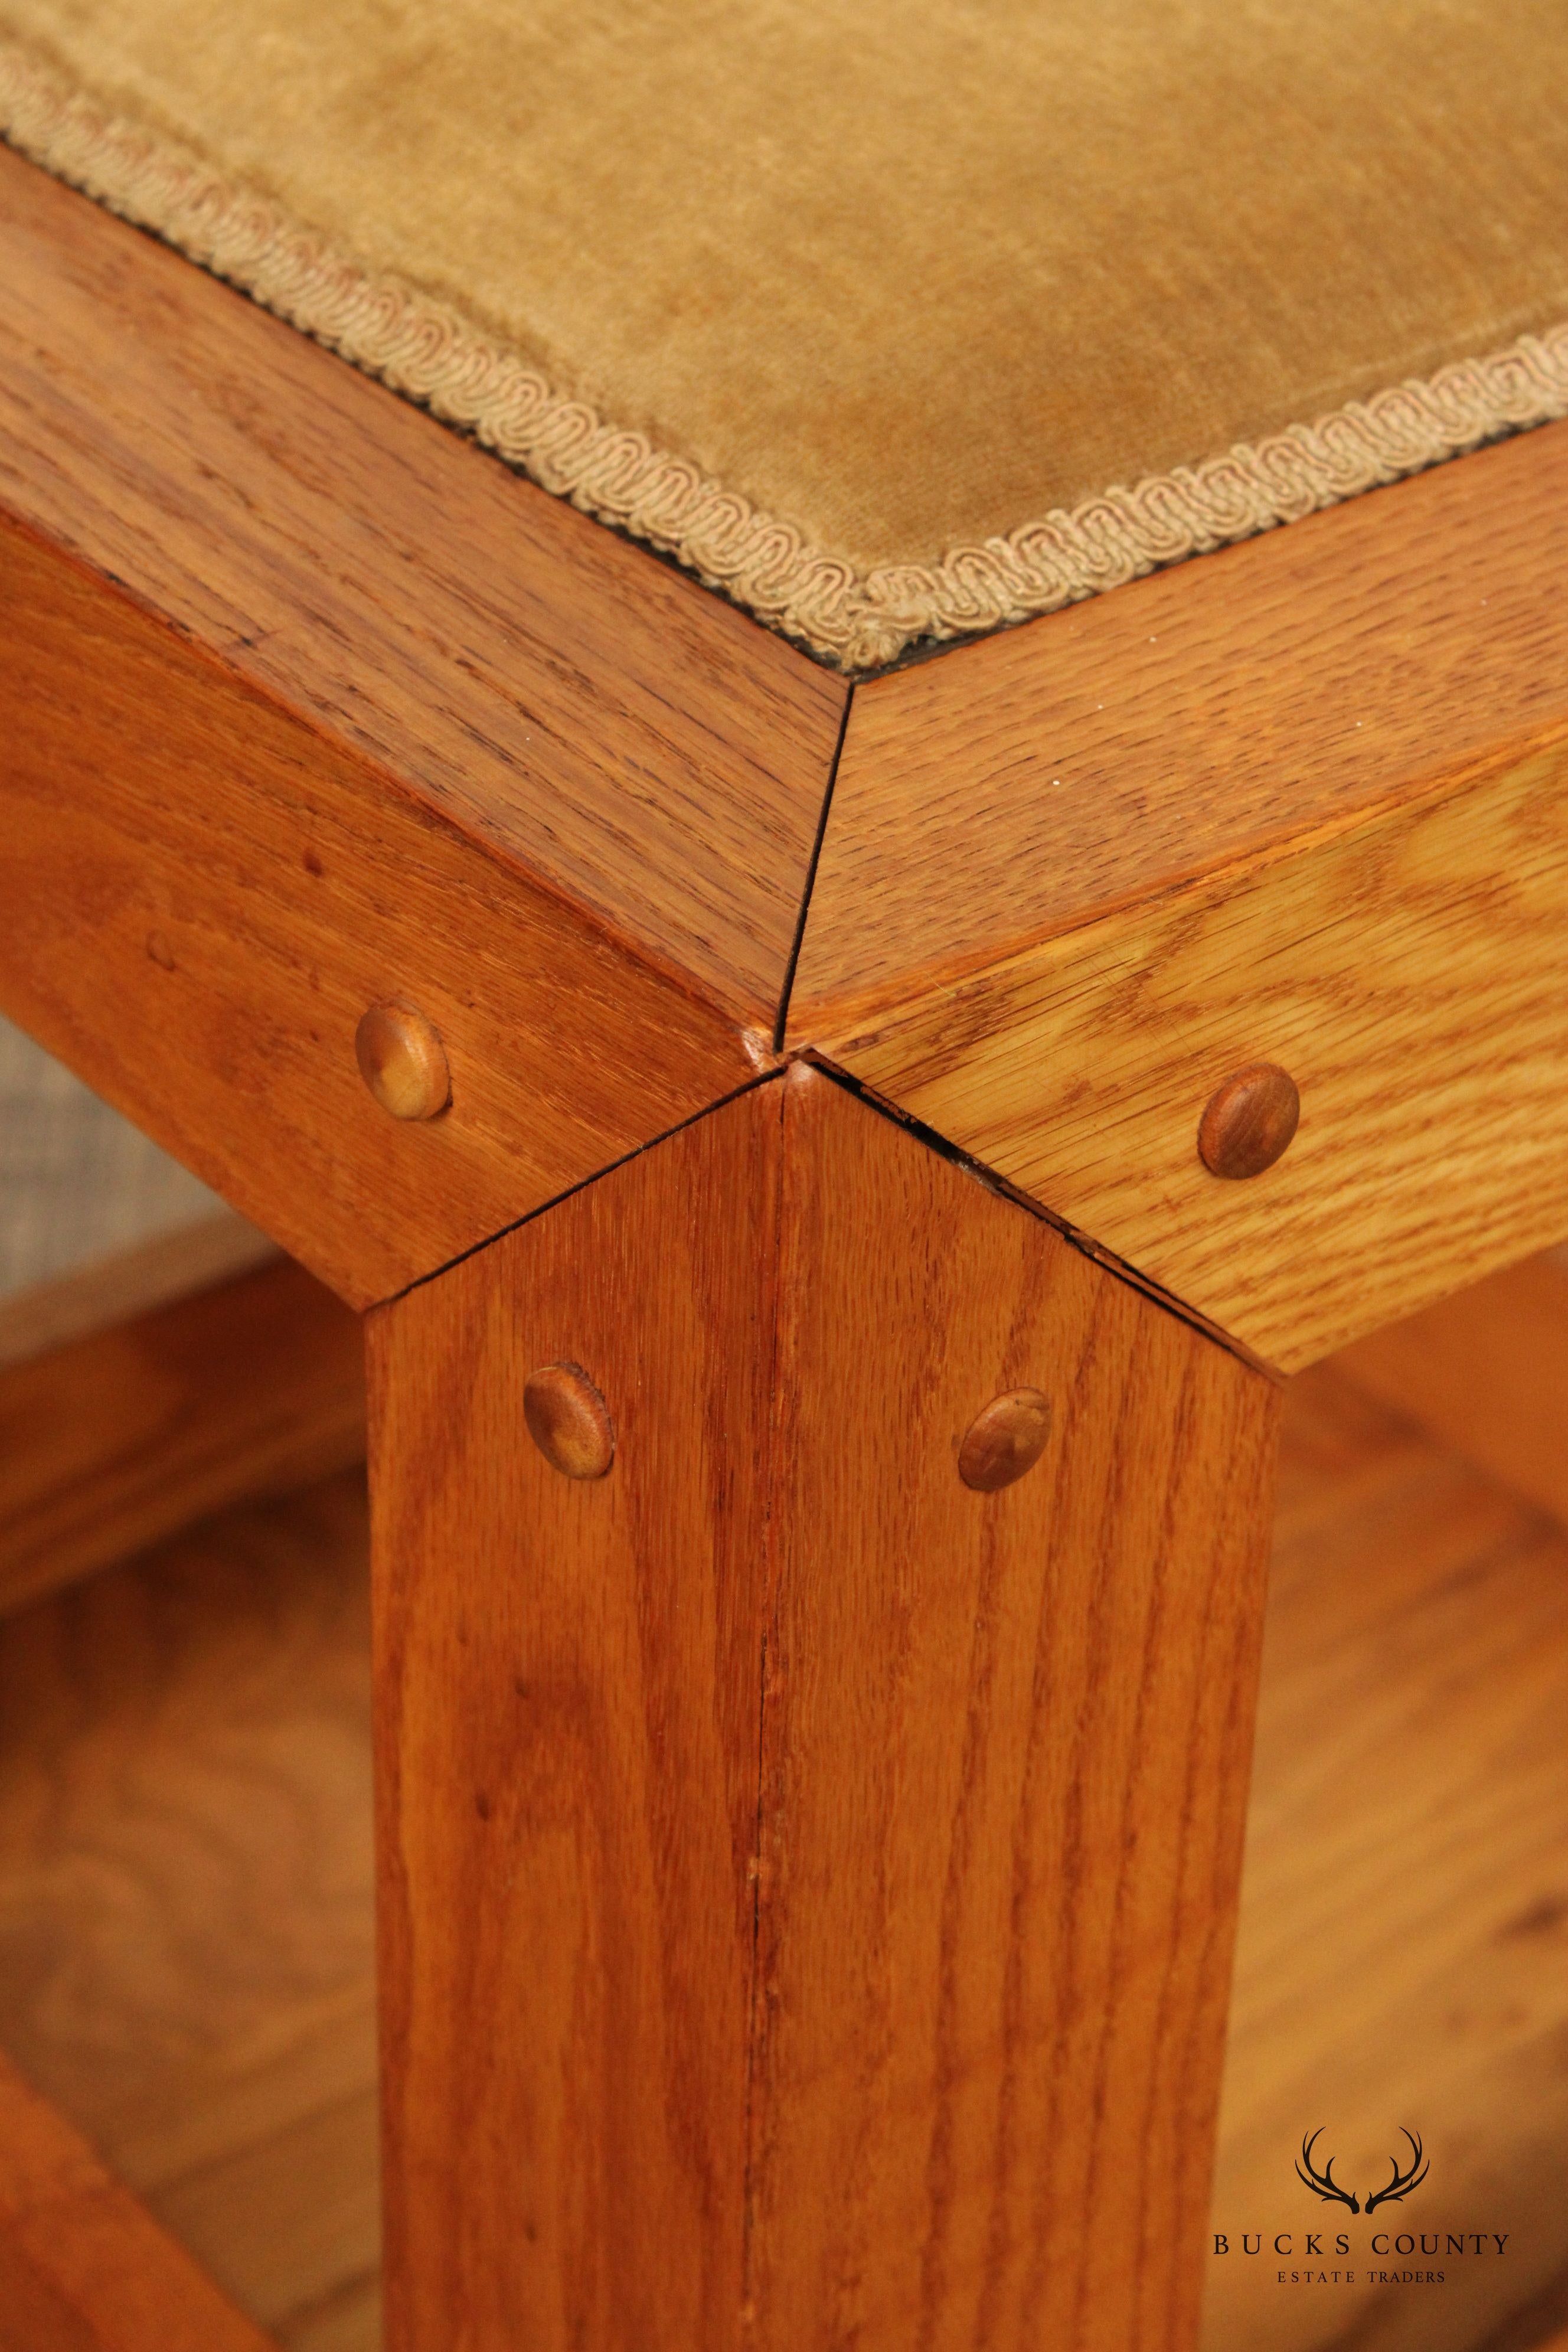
x: 838, y: 1108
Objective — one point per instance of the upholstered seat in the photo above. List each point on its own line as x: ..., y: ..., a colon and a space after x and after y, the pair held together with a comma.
x: 891, y: 323
x: 837, y: 1169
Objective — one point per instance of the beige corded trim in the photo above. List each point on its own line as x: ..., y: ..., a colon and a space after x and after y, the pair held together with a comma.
x: 426, y: 351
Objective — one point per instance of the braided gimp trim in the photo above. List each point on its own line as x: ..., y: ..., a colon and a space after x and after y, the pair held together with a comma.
x: 426, y: 351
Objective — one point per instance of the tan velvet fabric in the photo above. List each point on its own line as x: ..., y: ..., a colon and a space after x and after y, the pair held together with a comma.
x: 905, y: 277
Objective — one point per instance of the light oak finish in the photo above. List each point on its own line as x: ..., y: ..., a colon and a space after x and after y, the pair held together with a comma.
x: 83, y: 2267
x: 1411, y: 972
x: 1004, y: 1759
x: 635, y: 743
x: 1486, y: 1373
x: 1403, y: 1956
x: 1002, y: 1764
x: 643, y: 768
x: 1250, y: 1122
x: 1052, y: 773
x: 806, y: 1868
x: 569, y: 1682
x: 245, y: 888
x: 125, y: 1436
x: 186, y: 1954
x: 1004, y: 1439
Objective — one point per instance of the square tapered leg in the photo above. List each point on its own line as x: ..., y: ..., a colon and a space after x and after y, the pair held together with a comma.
x: 807, y: 1876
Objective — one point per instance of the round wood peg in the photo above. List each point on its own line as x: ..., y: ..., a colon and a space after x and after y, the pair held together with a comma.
x: 1248, y: 1122
x: 569, y: 1421
x: 1003, y: 1439
x: 403, y: 1061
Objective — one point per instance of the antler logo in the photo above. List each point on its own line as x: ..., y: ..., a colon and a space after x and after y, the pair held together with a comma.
x: 1403, y: 2182
x: 1324, y: 2184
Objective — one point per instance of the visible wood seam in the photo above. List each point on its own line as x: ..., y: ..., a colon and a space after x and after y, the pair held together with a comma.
x: 862, y: 621
x: 781, y: 1023
x: 770, y: 1280
x: 848, y: 1020
x: 747, y: 1086
x: 1085, y: 1243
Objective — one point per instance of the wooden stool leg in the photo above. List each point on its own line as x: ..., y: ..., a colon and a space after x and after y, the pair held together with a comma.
x: 807, y: 1879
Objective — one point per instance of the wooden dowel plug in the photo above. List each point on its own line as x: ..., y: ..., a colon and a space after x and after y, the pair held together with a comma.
x: 403, y: 1061
x: 569, y: 1421
x: 1249, y: 1121
x: 1004, y: 1439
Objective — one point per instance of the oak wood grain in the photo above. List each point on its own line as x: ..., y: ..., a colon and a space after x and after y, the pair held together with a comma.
x: 1043, y: 776
x: 1403, y: 1954
x: 201, y: 896
x: 1409, y: 970
x: 199, y: 2007
x: 126, y: 1434
x: 568, y: 1678
x: 1002, y: 1767
x: 1486, y: 1373
x: 1006, y: 1742
x: 83, y: 2267
x: 635, y: 742
x: 186, y: 1948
